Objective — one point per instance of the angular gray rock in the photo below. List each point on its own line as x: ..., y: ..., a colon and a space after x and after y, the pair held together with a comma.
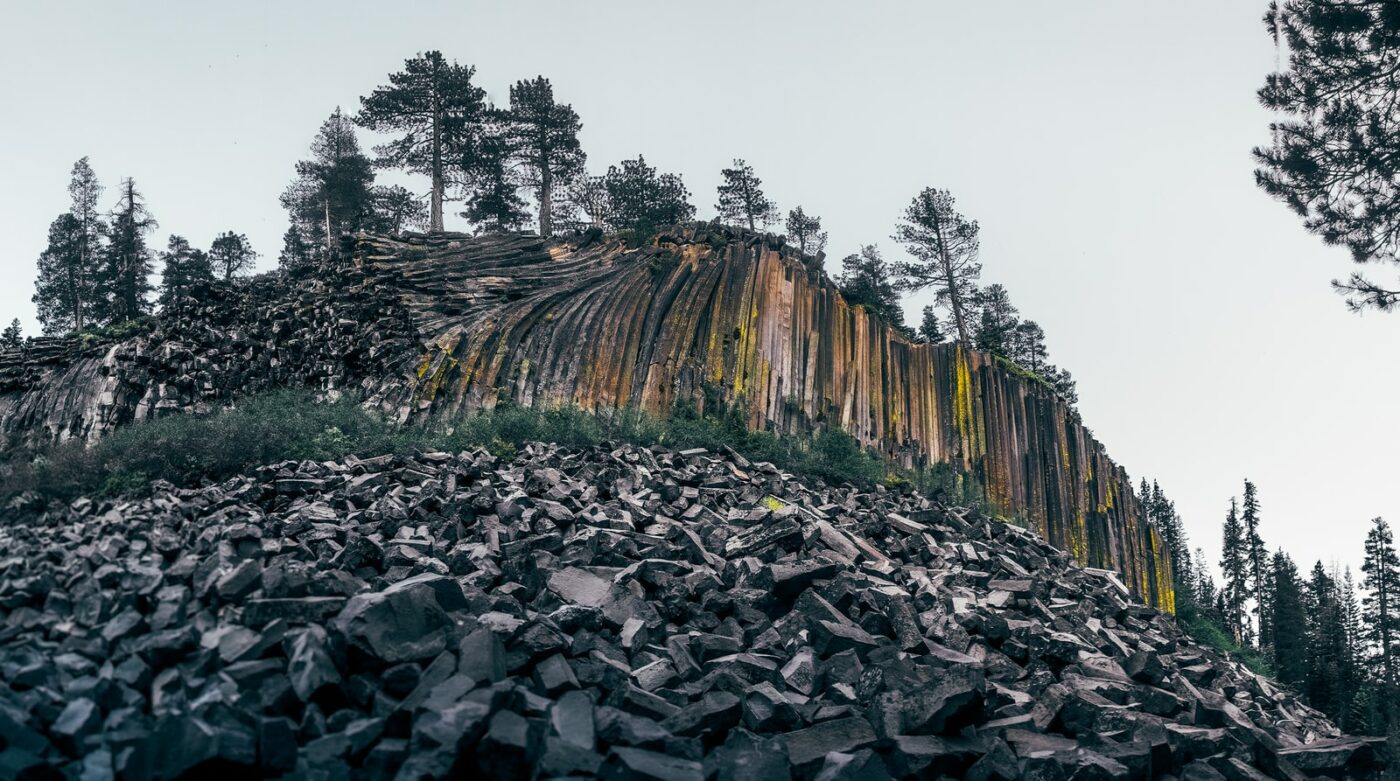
x: 600, y: 613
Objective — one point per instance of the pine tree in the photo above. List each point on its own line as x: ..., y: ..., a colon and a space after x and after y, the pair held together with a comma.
x: 1351, y: 660
x: 1333, y: 160
x: 1161, y: 513
x: 999, y: 319
x: 331, y: 194
x: 296, y: 253
x: 231, y: 255
x: 1381, y: 568
x: 806, y: 232
x: 543, y: 138
x: 1323, y: 686
x: 586, y: 204
x: 12, y: 338
x: 64, y: 290
x: 438, y: 111
x: 126, y: 274
x: 85, y: 192
x: 1206, y: 595
x: 1063, y: 383
x: 865, y: 280
x: 641, y: 201
x: 1290, y: 650
x: 1234, y: 569
x: 944, y: 245
x: 741, y: 197
x: 1028, y: 346
x: 184, y: 271
x: 394, y: 208
x: 1256, y: 564
x: 495, y: 205
x: 930, y: 332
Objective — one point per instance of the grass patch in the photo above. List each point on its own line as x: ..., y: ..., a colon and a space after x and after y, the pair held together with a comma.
x: 191, y: 450
x: 1207, y: 632
x: 115, y: 331
x: 1024, y: 373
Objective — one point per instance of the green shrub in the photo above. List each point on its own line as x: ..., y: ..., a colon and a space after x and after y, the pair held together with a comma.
x: 838, y: 457
x: 1210, y: 633
x: 285, y: 425
x: 190, y: 449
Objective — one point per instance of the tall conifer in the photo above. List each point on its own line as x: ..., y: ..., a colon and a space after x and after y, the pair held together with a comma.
x: 126, y: 274
x: 438, y: 114
x: 12, y: 337
x: 543, y: 142
x: 1233, y: 567
x: 331, y: 194
x: 1381, y: 568
x: 944, y: 245
x: 1256, y: 564
x: 1290, y: 651
x: 741, y: 197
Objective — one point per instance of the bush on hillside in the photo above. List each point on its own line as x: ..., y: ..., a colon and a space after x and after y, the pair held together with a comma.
x: 190, y: 450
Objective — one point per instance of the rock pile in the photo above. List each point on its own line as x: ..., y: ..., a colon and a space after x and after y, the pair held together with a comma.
x: 328, y: 331
x: 615, y: 613
x: 710, y: 316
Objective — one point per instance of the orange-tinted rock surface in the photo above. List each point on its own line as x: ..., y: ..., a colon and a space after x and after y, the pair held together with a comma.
x: 708, y: 312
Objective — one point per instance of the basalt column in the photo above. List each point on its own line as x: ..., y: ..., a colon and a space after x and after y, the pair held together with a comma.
x: 707, y: 312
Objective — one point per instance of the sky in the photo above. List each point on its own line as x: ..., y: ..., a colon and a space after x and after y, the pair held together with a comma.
x: 1103, y: 146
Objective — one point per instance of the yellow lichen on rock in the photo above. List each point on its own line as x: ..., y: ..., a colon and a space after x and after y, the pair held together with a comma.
x: 737, y: 319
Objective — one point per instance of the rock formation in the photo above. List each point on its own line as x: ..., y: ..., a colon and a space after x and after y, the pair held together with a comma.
x: 705, y: 314
x: 624, y: 614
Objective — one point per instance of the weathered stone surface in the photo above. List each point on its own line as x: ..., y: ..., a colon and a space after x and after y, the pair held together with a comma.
x: 703, y: 312
x: 625, y: 639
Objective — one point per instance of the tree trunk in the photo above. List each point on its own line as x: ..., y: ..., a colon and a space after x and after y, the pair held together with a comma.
x: 955, y: 300
x: 327, y: 205
x: 546, y: 202
x: 436, y: 216
x: 73, y: 280
x: 78, y: 296
x: 1383, y: 606
x: 954, y: 295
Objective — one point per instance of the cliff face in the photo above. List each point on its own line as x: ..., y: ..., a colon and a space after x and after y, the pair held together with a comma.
x: 330, y: 331
x: 448, y: 323
x: 711, y: 314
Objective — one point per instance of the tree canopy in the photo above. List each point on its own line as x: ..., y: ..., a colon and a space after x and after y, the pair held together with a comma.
x: 741, y: 197
x: 231, y: 255
x: 944, y: 246
x: 642, y: 201
x: 805, y: 230
x: 494, y: 204
x: 1335, y: 157
x: 126, y: 278
x: 13, y: 336
x: 64, y: 288
x: 331, y: 193
x: 867, y: 280
x: 542, y: 136
x: 437, y: 113
x: 184, y: 269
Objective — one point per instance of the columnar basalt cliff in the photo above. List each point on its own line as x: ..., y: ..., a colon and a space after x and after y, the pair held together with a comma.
x: 708, y: 314
x: 705, y: 314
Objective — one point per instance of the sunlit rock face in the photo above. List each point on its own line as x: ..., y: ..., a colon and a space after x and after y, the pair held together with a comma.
x: 710, y: 315
x: 704, y: 314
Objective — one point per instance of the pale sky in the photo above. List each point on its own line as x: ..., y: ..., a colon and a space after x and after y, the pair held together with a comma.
x: 1104, y: 147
